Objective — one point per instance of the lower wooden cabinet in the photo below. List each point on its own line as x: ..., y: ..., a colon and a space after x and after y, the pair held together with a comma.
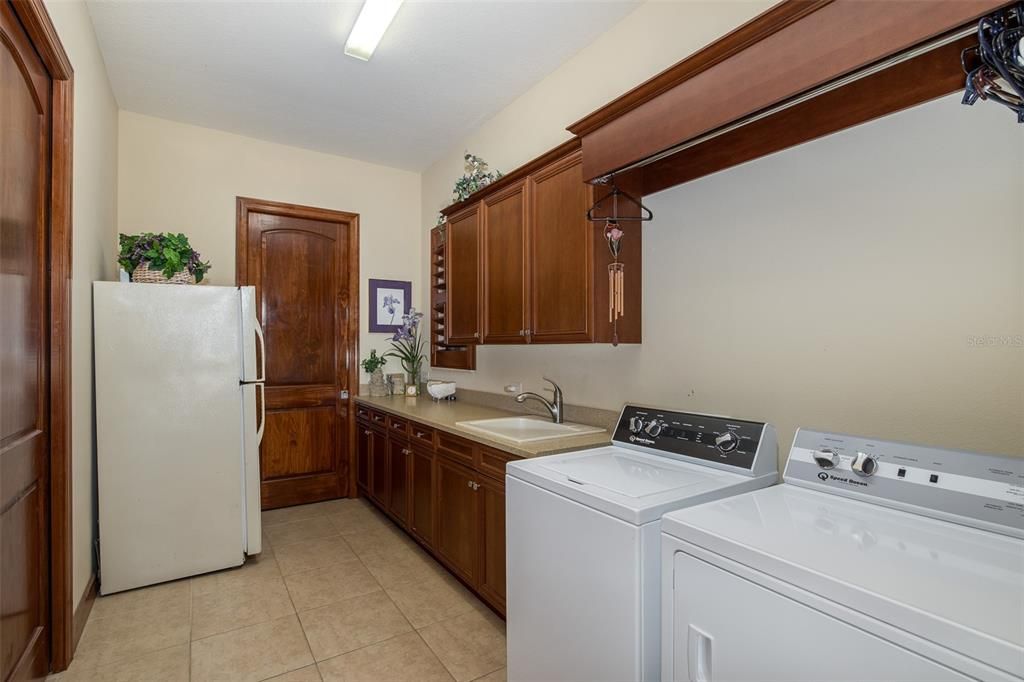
x: 491, y: 553
x: 398, y: 479
x: 421, y: 495
x: 380, y: 485
x: 363, y: 432
x: 447, y: 492
x: 457, y: 518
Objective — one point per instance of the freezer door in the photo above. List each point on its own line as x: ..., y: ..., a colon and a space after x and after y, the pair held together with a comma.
x: 168, y: 429
x: 254, y: 359
x: 254, y: 417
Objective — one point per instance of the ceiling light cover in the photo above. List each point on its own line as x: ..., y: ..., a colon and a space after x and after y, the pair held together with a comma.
x: 371, y: 24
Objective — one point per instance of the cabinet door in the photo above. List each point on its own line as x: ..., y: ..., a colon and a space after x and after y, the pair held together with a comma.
x: 491, y: 574
x: 379, y: 483
x: 363, y: 443
x: 421, y: 495
x: 462, y: 260
x: 561, y: 254
x: 398, y: 478
x: 504, y: 266
x: 457, y: 518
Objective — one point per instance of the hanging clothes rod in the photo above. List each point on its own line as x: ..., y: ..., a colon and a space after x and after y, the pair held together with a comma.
x: 907, y: 55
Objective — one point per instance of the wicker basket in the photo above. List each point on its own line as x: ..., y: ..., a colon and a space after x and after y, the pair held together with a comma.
x: 143, y: 274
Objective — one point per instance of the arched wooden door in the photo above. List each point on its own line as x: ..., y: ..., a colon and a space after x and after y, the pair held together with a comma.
x: 304, y: 264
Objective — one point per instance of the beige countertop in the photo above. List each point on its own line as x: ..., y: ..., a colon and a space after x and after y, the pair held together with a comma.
x: 444, y: 414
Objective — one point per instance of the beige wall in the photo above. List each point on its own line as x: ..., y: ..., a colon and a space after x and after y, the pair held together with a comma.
x: 836, y: 285
x: 181, y: 178
x: 94, y: 255
x: 651, y: 38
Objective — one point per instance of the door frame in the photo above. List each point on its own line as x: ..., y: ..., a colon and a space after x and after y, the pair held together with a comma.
x: 39, y: 27
x: 246, y: 205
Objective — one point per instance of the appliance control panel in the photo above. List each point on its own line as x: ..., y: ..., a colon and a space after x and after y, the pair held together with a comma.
x: 733, y: 444
x: 983, y: 491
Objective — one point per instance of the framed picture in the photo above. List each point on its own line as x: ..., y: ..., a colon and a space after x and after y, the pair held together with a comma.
x: 389, y: 300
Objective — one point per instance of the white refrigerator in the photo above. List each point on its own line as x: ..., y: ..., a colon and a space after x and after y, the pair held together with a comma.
x: 179, y: 419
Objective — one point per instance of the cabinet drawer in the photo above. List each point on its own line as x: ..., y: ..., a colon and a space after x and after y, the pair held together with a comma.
x: 492, y: 462
x: 456, y: 448
x: 363, y: 412
x: 378, y: 419
x: 421, y: 434
x: 398, y: 425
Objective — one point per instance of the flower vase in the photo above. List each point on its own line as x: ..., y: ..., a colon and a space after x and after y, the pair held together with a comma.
x: 412, y: 383
x: 378, y: 389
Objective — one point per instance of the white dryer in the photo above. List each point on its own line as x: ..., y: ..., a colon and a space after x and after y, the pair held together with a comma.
x: 582, y: 545
x: 874, y: 560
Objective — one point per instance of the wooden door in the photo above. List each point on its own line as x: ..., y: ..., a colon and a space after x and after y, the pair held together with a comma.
x: 561, y: 249
x: 380, y: 485
x: 303, y: 263
x: 398, y: 478
x: 504, y: 266
x: 421, y: 495
x: 363, y: 443
x: 462, y: 260
x: 25, y: 169
x: 457, y: 518
x: 491, y: 573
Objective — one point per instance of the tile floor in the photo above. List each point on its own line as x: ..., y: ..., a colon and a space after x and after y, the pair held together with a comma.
x: 339, y: 593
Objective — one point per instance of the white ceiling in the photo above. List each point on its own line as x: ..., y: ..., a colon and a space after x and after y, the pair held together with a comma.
x: 276, y: 70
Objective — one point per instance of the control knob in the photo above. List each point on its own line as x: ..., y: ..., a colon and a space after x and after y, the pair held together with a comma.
x: 826, y: 458
x: 727, y: 442
x: 636, y: 424
x: 653, y: 428
x: 864, y: 465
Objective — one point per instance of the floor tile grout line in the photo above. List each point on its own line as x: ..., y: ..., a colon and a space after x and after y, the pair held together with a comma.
x: 302, y: 628
x: 136, y: 657
x: 366, y: 646
x: 444, y: 665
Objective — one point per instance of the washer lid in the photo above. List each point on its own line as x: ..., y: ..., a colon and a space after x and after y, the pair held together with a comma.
x: 951, y: 584
x: 627, y: 473
x: 633, y: 486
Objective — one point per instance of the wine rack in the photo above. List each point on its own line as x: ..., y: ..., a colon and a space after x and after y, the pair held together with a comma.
x: 441, y: 353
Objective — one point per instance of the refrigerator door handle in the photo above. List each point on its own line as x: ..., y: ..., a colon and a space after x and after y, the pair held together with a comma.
x: 263, y: 351
x: 263, y: 414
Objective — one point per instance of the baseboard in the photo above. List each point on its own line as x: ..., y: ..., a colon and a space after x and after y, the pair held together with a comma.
x: 82, y: 612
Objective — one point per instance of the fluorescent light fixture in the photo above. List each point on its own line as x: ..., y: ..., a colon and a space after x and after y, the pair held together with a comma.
x: 373, y: 20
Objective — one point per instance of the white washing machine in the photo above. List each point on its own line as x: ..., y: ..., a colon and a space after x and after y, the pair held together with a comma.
x: 874, y: 560
x: 583, y: 569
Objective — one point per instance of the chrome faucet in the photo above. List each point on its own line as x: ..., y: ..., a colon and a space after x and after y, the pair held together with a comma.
x: 554, y: 406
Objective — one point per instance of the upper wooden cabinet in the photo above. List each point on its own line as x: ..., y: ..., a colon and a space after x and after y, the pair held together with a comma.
x: 561, y: 253
x: 505, y: 228
x: 462, y: 259
x: 542, y: 267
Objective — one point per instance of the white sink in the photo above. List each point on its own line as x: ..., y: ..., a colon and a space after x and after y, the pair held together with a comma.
x: 526, y: 429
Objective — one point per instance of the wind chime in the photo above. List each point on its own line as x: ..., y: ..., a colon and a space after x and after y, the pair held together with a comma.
x: 631, y: 211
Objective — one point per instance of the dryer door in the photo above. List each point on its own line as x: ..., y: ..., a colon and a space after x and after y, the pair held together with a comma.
x: 725, y: 627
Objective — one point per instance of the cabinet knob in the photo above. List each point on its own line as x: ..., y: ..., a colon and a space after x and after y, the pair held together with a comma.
x: 476, y: 335
x: 366, y: 432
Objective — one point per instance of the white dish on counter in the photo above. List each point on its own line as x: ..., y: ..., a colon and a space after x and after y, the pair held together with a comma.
x: 526, y: 429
